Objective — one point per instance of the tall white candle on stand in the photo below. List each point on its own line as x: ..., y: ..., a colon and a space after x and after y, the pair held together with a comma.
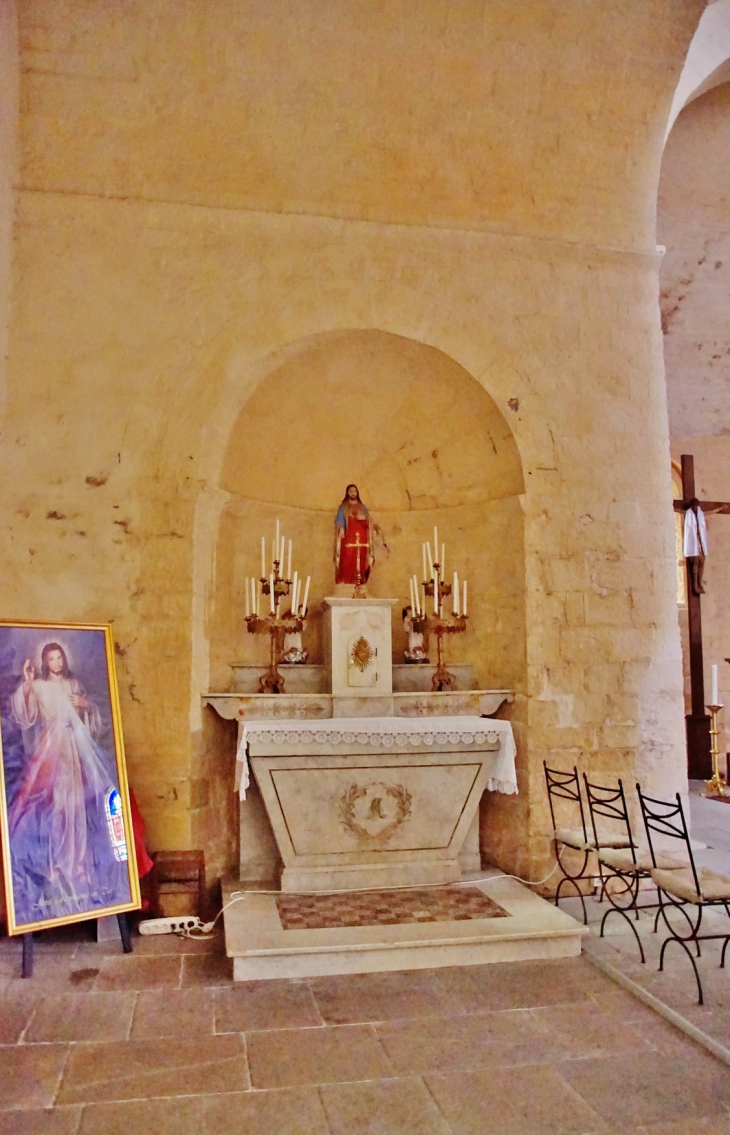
x: 263, y: 556
x: 413, y: 597
x: 715, y: 696
x: 429, y: 574
x: 417, y: 592
x: 455, y: 594
x: 306, y: 597
x: 248, y: 600
x: 258, y: 602
x: 288, y: 567
x: 271, y: 593
x: 435, y: 542
x: 294, y: 594
x: 277, y: 536
x: 463, y: 606
x: 423, y: 549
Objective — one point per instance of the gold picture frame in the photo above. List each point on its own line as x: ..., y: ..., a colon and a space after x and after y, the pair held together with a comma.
x: 65, y: 819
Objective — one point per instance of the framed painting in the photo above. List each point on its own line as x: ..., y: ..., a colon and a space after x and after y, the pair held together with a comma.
x: 67, y: 839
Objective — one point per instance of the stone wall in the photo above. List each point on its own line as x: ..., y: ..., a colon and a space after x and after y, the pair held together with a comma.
x: 201, y: 196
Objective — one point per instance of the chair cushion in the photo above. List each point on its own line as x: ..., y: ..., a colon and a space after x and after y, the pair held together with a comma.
x: 681, y: 884
x: 571, y: 838
x: 621, y: 860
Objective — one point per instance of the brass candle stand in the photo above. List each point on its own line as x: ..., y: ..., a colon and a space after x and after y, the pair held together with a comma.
x: 441, y: 625
x: 716, y: 784
x: 277, y: 627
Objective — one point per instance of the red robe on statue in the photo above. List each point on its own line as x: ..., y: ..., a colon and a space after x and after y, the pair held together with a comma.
x: 354, y: 552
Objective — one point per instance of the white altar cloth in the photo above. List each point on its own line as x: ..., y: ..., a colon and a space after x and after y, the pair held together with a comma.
x: 395, y: 732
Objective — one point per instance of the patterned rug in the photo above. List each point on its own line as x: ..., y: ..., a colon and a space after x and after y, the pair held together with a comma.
x: 385, y: 908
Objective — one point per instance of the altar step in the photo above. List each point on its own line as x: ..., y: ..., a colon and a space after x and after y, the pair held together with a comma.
x: 262, y: 948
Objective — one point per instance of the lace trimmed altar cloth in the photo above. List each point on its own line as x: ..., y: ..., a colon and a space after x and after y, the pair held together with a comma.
x: 391, y: 733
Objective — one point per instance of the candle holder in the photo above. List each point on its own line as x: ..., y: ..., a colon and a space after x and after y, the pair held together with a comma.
x: 716, y: 784
x: 277, y: 627
x: 441, y: 625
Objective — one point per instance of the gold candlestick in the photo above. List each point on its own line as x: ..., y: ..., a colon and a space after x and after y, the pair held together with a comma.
x: 716, y: 784
x: 441, y: 625
x: 272, y: 682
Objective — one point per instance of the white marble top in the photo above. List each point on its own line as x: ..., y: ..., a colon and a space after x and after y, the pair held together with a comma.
x: 392, y: 733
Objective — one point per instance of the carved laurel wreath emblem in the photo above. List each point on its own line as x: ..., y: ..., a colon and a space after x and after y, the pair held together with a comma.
x: 374, y: 811
x: 362, y: 654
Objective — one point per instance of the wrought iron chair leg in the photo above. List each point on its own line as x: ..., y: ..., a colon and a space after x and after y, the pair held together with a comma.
x: 722, y: 955
x: 673, y: 938
x: 634, y: 931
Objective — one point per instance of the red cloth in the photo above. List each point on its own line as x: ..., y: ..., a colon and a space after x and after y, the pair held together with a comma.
x: 358, y: 532
x: 144, y: 863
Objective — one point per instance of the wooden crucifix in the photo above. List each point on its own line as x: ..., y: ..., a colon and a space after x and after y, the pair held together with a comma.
x: 699, y: 762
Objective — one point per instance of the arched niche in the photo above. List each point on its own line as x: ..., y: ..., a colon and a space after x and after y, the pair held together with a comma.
x: 426, y: 445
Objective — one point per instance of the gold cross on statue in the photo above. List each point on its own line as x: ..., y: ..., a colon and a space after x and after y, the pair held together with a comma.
x: 357, y: 544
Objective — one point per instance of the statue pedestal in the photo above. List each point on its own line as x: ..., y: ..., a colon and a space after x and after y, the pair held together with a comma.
x: 358, y: 656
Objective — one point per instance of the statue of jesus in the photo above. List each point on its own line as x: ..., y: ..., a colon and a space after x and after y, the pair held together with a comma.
x: 354, y: 530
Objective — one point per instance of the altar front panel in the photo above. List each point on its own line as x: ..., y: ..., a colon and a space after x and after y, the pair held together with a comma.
x: 364, y: 819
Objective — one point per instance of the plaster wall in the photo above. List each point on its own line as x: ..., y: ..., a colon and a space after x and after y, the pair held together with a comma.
x: 201, y: 197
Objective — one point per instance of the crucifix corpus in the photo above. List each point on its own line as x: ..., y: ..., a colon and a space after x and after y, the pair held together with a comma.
x: 695, y: 548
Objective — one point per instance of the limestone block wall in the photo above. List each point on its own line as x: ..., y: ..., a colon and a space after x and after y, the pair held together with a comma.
x: 200, y: 197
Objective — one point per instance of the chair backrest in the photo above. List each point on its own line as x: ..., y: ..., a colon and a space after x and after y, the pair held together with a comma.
x: 565, y: 786
x: 666, y: 818
x: 610, y: 804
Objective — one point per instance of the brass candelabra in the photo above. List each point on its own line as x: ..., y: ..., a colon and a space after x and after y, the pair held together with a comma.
x: 716, y: 784
x: 276, y: 625
x: 440, y: 624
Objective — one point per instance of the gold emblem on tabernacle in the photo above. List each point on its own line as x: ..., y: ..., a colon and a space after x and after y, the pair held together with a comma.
x: 362, y: 654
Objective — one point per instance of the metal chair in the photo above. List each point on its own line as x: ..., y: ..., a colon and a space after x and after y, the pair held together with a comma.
x: 688, y: 889
x: 565, y: 786
x: 628, y: 864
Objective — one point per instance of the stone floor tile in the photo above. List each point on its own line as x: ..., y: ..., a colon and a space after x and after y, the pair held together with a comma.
x: 296, y: 1112
x: 29, y: 1074
x: 173, y: 1012
x: 516, y: 1101
x: 350, y: 998
x: 147, y: 1068
x: 82, y: 1016
x: 45, y: 1121
x: 176, y: 1116
x: 383, y: 1107
x: 59, y: 973
x: 717, y: 1125
x: 16, y: 1007
x: 294, y: 1057
x: 145, y: 945
x: 128, y: 972
x: 586, y: 1030
x: 641, y: 1089
x: 207, y: 969
x: 525, y: 985
x: 265, y: 1005
x: 443, y: 1044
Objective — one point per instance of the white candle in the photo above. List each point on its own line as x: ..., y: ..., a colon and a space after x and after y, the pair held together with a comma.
x: 455, y: 594
x: 248, y: 600
x: 258, y: 602
x: 423, y: 549
x: 306, y: 597
x: 423, y: 608
x: 417, y: 595
x: 430, y: 562
x: 277, y: 535
x: 435, y: 542
x: 263, y: 556
x: 273, y: 552
x: 443, y: 561
x: 463, y: 605
x: 715, y: 697
x: 413, y: 597
x: 271, y: 593
x: 288, y: 569
x: 435, y: 595
x: 294, y: 594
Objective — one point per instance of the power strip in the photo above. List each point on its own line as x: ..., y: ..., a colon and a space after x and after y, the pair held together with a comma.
x: 170, y: 925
